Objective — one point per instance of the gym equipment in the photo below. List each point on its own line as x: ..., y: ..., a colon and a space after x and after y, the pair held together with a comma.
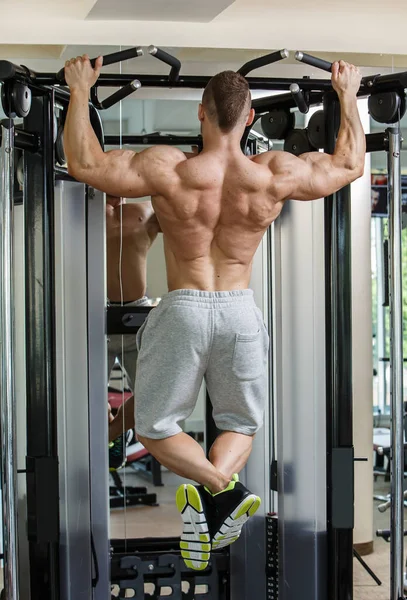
x: 319, y: 63
x: 65, y: 324
x: 15, y: 99
x: 108, y: 59
x: 297, y: 142
x: 277, y: 123
x: 366, y: 567
x: 154, y: 568
x: 396, y: 362
x: 59, y: 147
x: 316, y: 130
x: 169, y: 60
x: 262, y: 61
x: 121, y: 496
x: 385, y: 534
x: 387, y: 107
x: 299, y: 98
x: 7, y: 413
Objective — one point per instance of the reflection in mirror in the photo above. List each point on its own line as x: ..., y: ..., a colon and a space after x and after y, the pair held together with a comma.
x: 142, y: 492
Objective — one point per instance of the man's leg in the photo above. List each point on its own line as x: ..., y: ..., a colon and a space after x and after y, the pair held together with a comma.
x: 123, y: 421
x: 230, y: 452
x: 185, y: 457
x: 182, y: 455
x: 117, y: 346
x: 236, y: 379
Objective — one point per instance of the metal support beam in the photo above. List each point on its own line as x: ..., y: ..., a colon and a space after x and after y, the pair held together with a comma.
x: 338, y: 377
x: 7, y: 395
x: 42, y: 462
x: 396, y: 362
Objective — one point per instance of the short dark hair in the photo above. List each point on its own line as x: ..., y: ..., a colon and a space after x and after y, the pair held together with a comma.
x: 226, y: 98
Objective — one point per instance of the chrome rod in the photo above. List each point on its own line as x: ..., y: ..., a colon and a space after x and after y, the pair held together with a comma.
x: 396, y: 364
x: 7, y: 398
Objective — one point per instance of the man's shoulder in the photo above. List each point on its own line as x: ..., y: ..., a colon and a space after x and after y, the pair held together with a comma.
x: 273, y: 158
x: 167, y: 154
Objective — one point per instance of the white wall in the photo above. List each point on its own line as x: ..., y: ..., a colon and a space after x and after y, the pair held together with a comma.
x: 362, y: 356
x: 336, y: 26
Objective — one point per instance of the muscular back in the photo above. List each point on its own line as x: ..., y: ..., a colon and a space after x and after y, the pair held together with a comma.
x: 213, y: 216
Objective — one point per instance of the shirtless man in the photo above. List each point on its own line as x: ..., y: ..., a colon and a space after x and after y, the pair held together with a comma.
x: 130, y: 231
x: 213, y: 210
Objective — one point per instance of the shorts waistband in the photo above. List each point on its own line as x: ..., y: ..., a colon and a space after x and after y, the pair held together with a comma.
x: 144, y: 301
x: 208, y: 299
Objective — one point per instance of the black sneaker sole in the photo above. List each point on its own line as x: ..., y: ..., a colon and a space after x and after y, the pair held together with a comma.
x: 231, y: 527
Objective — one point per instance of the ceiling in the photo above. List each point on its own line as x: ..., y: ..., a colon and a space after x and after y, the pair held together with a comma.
x: 168, y: 10
x: 361, y: 26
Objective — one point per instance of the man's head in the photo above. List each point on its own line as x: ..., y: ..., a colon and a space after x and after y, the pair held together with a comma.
x: 226, y: 102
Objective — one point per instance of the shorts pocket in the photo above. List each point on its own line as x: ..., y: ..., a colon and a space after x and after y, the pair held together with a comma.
x: 248, y: 356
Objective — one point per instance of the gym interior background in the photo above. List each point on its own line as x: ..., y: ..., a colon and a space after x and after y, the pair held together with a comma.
x: 45, y: 40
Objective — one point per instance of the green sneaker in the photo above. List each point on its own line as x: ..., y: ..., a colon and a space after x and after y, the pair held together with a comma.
x: 195, y: 541
x: 233, y: 507
x: 117, y: 453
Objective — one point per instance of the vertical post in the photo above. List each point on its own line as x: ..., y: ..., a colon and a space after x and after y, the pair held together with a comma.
x: 7, y: 398
x: 42, y: 450
x: 338, y: 377
x: 381, y: 322
x: 396, y: 363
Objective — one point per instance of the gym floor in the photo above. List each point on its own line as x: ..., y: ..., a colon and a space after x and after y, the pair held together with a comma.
x: 164, y: 521
x: 364, y: 586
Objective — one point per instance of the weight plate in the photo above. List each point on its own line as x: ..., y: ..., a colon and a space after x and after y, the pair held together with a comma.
x: 385, y: 107
x: 297, y: 142
x: 20, y: 171
x: 59, y: 147
x: 316, y: 130
x: 5, y: 99
x: 277, y: 123
x: 20, y: 99
x: 55, y: 128
x: 402, y: 110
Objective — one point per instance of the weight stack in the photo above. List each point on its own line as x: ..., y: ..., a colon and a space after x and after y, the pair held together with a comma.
x: 272, y: 557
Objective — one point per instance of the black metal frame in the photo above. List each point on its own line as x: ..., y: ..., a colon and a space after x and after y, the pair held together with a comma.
x: 158, y: 561
x: 42, y: 458
x: 338, y: 324
x: 40, y: 171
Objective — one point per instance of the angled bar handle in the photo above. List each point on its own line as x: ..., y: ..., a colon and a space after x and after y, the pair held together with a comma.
x: 109, y: 59
x: 121, y: 94
x: 174, y: 63
x: 262, y: 61
x: 313, y: 61
x: 319, y: 63
x: 299, y: 98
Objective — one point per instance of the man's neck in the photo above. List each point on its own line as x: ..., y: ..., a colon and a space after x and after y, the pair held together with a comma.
x: 216, y: 141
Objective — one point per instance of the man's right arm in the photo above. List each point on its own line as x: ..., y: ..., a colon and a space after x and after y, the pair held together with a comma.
x: 315, y: 175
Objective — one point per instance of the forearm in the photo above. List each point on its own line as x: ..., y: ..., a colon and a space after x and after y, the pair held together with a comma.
x: 350, y: 146
x: 81, y: 145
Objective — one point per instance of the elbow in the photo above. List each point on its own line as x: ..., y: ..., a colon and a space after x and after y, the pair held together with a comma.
x: 73, y: 169
x: 77, y: 171
x: 355, y: 170
x: 359, y: 169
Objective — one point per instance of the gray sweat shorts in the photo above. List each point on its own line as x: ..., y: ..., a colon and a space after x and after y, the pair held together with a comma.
x: 126, y: 344
x: 194, y: 335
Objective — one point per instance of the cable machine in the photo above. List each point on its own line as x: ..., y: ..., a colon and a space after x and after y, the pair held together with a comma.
x: 66, y: 468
